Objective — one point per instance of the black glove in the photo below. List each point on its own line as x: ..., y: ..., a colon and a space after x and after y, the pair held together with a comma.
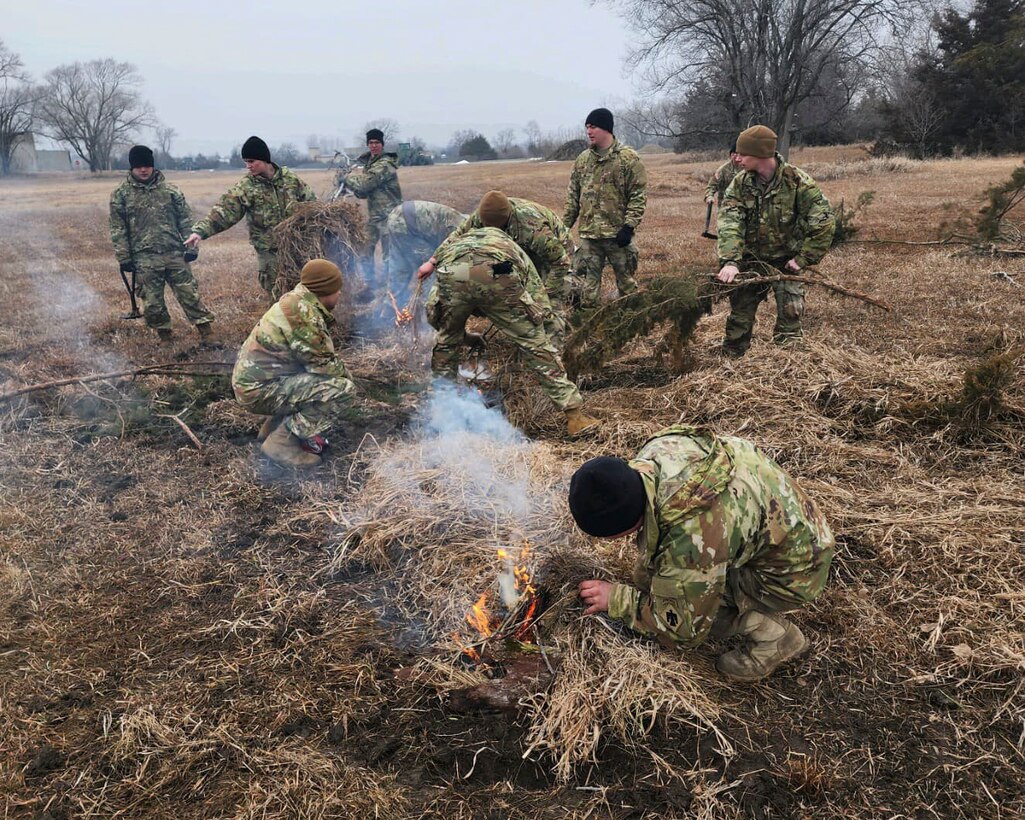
x: 191, y: 254
x: 502, y: 268
x: 127, y: 267
x: 626, y: 233
x: 474, y: 340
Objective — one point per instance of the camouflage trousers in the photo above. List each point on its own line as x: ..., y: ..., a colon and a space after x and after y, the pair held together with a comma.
x: 556, y: 284
x: 515, y: 314
x: 589, y: 262
x: 744, y: 303
x: 268, y: 262
x: 405, y: 255
x: 150, y: 284
x: 312, y: 402
x: 375, y: 234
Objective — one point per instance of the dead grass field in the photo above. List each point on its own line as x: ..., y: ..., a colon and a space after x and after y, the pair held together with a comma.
x: 188, y: 632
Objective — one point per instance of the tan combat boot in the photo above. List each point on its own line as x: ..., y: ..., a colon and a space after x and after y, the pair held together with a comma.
x: 268, y: 426
x: 579, y: 424
x: 284, y: 448
x: 772, y: 640
x: 205, y: 331
x: 165, y: 335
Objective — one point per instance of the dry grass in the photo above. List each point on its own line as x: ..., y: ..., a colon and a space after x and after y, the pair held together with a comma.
x: 188, y: 632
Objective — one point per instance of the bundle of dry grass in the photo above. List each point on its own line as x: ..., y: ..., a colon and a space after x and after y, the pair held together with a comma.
x: 328, y: 230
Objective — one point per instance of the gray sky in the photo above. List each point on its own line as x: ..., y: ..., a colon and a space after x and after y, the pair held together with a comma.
x: 218, y: 72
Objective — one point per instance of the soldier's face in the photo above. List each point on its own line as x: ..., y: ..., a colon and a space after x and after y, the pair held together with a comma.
x: 598, y: 137
x: 375, y: 147
x: 331, y: 300
x: 735, y: 158
x: 746, y: 162
x: 259, y: 168
x: 143, y: 174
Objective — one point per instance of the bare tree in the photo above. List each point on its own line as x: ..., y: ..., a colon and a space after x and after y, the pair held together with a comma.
x: 93, y: 107
x: 165, y: 135
x: 766, y: 56
x: 17, y: 105
x: 389, y: 126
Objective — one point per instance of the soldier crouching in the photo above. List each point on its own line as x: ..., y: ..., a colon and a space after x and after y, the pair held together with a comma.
x: 288, y: 370
x: 728, y: 542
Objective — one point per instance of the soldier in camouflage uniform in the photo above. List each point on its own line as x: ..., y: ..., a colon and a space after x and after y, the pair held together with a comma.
x: 721, y: 179
x: 541, y: 234
x: 266, y: 196
x: 288, y: 371
x: 728, y: 542
x: 773, y: 213
x: 486, y: 273
x: 608, y: 192
x: 412, y: 231
x: 378, y: 183
x: 149, y: 219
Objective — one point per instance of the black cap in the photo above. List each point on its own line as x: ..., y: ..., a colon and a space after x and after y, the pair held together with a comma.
x: 255, y: 148
x: 140, y: 157
x: 733, y: 147
x: 606, y: 497
x: 375, y: 134
x: 601, y: 118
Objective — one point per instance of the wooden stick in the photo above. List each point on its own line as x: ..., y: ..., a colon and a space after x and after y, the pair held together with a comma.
x: 167, y: 368
x: 808, y: 280
x: 185, y: 428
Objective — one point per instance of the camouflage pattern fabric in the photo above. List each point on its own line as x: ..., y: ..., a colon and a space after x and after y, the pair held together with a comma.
x: 153, y: 277
x: 410, y: 245
x: 589, y: 262
x: 378, y: 184
x: 288, y: 365
x: 148, y: 225
x: 264, y: 203
x: 787, y: 217
x: 542, y: 235
x: 607, y: 190
x: 720, y: 181
x: 724, y: 526
x: 516, y: 304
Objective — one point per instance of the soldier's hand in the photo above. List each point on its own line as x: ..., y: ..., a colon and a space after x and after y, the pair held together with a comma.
x: 625, y: 234
x: 709, y: 200
x: 426, y: 269
x: 127, y: 267
x: 595, y: 594
x: 793, y: 267
x: 502, y: 268
x: 193, y: 240
x: 728, y: 273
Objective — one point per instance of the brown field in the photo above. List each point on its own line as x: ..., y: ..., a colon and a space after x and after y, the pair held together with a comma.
x: 188, y: 632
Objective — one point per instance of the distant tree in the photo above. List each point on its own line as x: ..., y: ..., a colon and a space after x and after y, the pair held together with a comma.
x: 759, y: 58
x: 977, y: 76
x: 387, y: 124
x: 505, y: 144
x: 164, y: 135
x: 287, y: 154
x: 477, y: 148
x: 17, y: 105
x: 532, y: 133
x: 458, y: 139
x: 94, y: 106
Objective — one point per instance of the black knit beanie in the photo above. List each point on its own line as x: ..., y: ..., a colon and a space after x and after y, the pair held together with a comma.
x: 601, y: 118
x: 375, y: 134
x: 606, y: 497
x: 733, y: 147
x: 255, y: 148
x: 140, y: 157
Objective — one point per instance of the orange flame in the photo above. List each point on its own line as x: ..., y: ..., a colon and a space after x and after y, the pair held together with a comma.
x: 403, y: 316
x: 479, y: 618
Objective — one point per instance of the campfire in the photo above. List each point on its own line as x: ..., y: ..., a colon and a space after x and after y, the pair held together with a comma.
x: 403, y: 316
x: 509, y: 618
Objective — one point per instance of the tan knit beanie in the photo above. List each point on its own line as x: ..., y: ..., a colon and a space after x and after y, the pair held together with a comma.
x: 757, y: 141
x: 321, y: 277
x: 495, y: 209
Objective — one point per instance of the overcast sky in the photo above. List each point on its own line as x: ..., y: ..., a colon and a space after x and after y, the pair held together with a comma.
x: 218, y: 72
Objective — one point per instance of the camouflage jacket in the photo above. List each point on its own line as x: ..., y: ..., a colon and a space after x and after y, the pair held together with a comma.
x: 378, y: 184
x: 148, y: 219
x: 785, y: 218
x: 714, y: 503
x: 536, y: 229
x: 264, y: 202
x: 292, y: 337
x: 422, y: 222
x: 471, y: 255
x: 607, y: 190
x: 720, y: 181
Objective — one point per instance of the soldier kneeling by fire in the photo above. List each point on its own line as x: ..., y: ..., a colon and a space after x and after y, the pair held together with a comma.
x: 728, y: 542
x: 288, y: 370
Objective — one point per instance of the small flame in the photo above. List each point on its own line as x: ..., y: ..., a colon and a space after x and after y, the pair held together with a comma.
x: 403, y: 316
x: 479, y: 618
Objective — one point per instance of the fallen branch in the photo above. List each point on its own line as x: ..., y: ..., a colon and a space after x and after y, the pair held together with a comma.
x: 808, y: 280
x: 164, y: 369
x: 185, y: 428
